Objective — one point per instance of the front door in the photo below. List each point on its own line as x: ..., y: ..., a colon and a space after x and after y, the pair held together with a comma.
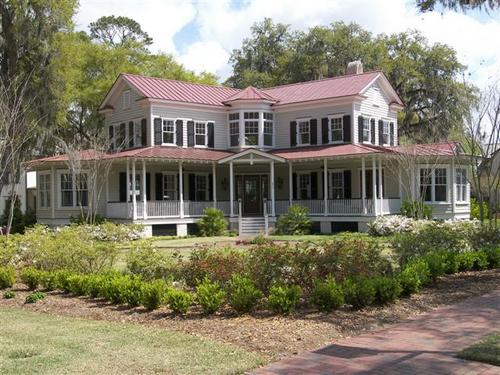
x: 252, y: 198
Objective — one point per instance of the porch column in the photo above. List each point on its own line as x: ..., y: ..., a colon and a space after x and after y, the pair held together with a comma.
x: 214, y: 185
x: 273, y: 211
x: 53, y: 192
x: 134, y: 196
x: 181, y: 191
x: 128, y: 187
x: 374, y: 185
x: 144, y: 193
x: 290, y: 183
x: 380, y: 187
x: 363, y: 184
x: 231, y: 189
x: 325, y: 187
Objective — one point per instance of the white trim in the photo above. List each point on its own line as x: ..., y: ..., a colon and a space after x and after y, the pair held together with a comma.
x: 174, y: 143
x: 265, y: 155
x: 298, y: 139
x: 330, y: 118
x: 59, y: 205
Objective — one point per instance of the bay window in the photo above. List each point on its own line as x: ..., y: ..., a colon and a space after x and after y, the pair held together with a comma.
x: 168, y: 132
x: 74, y: 191
x: 66, y: 190
x: 44, y: 182
x: 268, y: 129
x: 200, y: 133
x: 251, y: 128
x: 169, y: 186
x: 336, y: 129
x: 461, y: 184
x: 336, y: 185
x: 303, y: 132
x: 234, y: 129
x: 434, y: 184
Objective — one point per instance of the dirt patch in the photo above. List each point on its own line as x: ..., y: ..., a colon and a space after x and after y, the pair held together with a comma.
x: 271, y: 336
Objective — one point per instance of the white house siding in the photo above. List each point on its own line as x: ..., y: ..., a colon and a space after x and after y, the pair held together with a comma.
x: 376, y: 105
x: 134, y: 112
x: 283, y: 120
x: 218, y: 116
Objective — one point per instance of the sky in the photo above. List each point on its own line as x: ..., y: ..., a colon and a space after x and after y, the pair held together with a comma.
x: 202, y: 33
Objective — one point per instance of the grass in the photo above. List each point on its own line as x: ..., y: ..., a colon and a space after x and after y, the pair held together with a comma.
x: 46, y: 344
x: 486, y: 350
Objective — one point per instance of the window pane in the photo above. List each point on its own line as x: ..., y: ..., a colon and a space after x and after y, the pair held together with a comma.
x: 303, y: 130
x: 440, y: 193
x: 336, y: 129
x: 268, y: 139
x: 366, y: 130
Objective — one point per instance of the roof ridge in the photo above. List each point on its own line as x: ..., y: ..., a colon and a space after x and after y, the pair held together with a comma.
x: 179, y: 80
x: 323, y: 79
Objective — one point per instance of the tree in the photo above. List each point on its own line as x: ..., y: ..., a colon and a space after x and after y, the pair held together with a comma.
x: 119, y: 31
x: 464, y: 5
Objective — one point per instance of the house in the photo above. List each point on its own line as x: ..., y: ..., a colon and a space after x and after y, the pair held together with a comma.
x: 330, y: 145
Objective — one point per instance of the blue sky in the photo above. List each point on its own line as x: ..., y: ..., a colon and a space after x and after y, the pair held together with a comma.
x: 202, y: 34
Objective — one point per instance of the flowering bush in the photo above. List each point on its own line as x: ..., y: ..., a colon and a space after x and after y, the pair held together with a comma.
x: 390, y: 224
x: 145, y: 260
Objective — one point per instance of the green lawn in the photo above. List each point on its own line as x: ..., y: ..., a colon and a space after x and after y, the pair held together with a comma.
x: 45, y: 344
x: 486, y: 350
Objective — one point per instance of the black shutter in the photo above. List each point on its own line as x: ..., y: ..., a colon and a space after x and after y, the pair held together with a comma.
x: 190, y: 125
x: 148, y: 186
x: 210, y: 187
x: 347, y: 128
x: 192, y: 187
x: 360, y: 129
x: 157, y: 125
x: 372, y: 124
x: 294, y: 185
x: 144, y: 132
x: 122, y: 180
x: 293, y: 133
x: 392, y: 138
x: 314, y: 185
x: 111, y: 135
x: 380, y: 132
x: 210, y: 131
x: 158, y: 186
x: 131, y: 134
x: 179, y: 129
x: 313, y: 128
x: 324, y: 130
x: 347, y: 184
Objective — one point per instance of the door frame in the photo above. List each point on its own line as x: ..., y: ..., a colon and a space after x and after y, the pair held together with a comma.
x: 256, y: 174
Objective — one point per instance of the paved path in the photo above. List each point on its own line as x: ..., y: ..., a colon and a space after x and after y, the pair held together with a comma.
x: 425, y: 344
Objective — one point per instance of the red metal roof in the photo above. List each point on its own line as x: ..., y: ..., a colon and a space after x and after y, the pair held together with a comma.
x: 312, y: 152
x: 251, y: 93
x: 427, y: 149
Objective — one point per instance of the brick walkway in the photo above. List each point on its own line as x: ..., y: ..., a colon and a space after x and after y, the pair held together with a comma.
x: 425, y: 344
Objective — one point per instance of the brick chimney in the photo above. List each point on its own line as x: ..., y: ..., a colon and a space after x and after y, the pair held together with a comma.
x: 354, y: 67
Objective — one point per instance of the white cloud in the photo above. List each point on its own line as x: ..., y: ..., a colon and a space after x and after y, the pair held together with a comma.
x: 222, y: 27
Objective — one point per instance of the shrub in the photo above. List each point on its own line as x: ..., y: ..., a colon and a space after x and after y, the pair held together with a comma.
x: 34, y: 297
x: 416, y: 210
x: 113, y: 287
x: 9, y: 294
x: 179, y: 301
x: 212, y: 223
x: 485, y: 236
x: 154, y: 294
x: 77, y: 285
x: 48, y: 280
x: 409, y: 280
x: 387, y: 289
x: 493, y: 255
x: 391, y: 224
x: 327, y: 295
x: 282, y: 299
x: 421, y: 270
x: 243, y: 294
x: 451, y: 262
x: 436, y: 261
x: 10, y: 250
x: 95, y: 284
x: 131, y: 290
x: 145, y: 260
x: 7, y: 277
x: 210, y: 296
x: 31, y: 277
x: 359, y: 291
x: 475, y: 209
x: 61, y: 279
x: 295, y: 222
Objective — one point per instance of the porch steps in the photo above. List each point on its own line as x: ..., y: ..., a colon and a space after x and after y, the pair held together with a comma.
x: 252, y: 226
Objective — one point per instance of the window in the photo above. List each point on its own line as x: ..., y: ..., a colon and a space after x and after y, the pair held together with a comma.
x: 304, y: 186
x: 44, y: 190
x: 268, y: 129
x: 303, y: 132
x: 168, y: 130
x: 251, y: 128
x: 82, y: 190
x: 134, y: 188
x: 169, y: 186
x: 200, y: 133
x: 461, y: 184
x: 201, y: 188
x: 434, y: 184
x: 366, y: 130
x: 134, y: 133
x: 126, y: 99
x: 234, y: 129
x: 385, y: 133
x: 336, y: 129
x: 66, y: 190
x: 119, y: 137
x: 336, y: 185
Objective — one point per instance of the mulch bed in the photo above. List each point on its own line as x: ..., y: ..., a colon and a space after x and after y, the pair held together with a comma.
x: 273, y: 337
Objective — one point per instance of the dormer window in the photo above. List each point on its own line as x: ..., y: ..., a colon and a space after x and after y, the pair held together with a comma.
x: 126, y: 99
x: 251, y: 128
x: 303, y: 132
x: 336, y: 129
x: 168, y: 132
x: 200, y: 133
